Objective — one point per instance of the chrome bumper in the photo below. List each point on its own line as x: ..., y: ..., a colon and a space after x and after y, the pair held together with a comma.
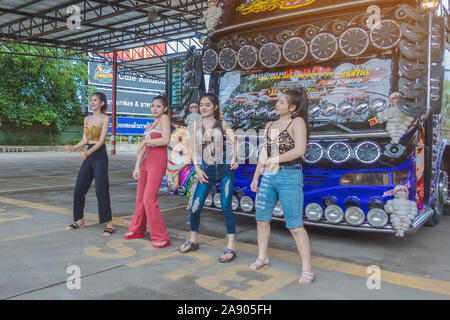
x: 365, y: 227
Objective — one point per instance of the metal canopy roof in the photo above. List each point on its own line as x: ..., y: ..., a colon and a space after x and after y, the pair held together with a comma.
x: 40, y: 27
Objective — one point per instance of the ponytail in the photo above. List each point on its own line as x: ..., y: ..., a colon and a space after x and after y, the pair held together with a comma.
x: 299, y: 98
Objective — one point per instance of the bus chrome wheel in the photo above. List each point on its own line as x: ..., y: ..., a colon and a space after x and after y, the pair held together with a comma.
x: 441, y: 199
x: 443, y: 192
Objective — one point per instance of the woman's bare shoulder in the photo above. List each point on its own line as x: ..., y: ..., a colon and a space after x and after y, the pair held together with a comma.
x: 298, y: 122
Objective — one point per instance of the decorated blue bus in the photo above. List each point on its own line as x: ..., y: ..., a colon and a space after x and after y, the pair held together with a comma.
x: 376, y: 157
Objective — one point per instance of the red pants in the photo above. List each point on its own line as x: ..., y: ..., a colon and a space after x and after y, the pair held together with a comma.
x: 152, y: 172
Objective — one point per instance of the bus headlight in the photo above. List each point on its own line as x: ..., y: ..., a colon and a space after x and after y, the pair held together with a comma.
x: 181, y: 190
x: 334, y: 214
x: 314, y: 211
x: 246, y: 203
x: 277, y: 211
x: 354, y: 216
x: 377, y: 217
x: 217, y: 200
x: 208, y: 200
x: 234, y: 203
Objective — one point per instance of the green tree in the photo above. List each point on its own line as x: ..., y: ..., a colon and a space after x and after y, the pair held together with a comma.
x: 41, y: 92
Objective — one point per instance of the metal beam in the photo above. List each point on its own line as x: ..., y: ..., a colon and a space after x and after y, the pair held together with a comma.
x: 53, y: 22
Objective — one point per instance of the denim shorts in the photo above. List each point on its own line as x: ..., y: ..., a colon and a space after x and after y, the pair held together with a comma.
x: 285, y: 185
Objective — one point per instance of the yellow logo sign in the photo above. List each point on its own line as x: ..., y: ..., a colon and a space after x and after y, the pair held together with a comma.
x: 103, y: 73
x: 269, y: 5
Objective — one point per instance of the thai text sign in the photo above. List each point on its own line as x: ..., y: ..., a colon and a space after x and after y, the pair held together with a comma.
x: 130, y: 126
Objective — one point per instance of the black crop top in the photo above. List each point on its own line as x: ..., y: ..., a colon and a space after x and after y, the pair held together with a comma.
x: 285, y: 143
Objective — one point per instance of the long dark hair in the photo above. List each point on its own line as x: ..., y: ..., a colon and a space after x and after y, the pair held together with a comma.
x: 215, y: 101
x: 165, y: 103
x: 298, y: 97
x: 102, y: 98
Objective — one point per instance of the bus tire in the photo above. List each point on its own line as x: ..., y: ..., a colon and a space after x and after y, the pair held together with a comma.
x: 439, y: 203
x: 446, y: 168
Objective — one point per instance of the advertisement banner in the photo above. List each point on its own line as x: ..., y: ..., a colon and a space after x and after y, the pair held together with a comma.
x: 341, y: 94
x: 133, y: 54
x: 251, y: 10
x: 100, y: 74
x: 134, y: 94
x: 130, y: 102
x: 175, y: 70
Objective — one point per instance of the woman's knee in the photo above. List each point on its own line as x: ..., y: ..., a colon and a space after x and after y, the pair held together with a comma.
x: 262, y: 224
x: 297, y: 231
x: 196, y: 206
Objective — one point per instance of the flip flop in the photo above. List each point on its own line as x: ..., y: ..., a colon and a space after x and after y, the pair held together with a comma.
x: 76, y: 226
x: 307, y: 276
x: 134, y: 236
x: 160, y: 246
x: 109, y: 230
x: 258, y: 264
x: 193, y: 246
x: 228, y: 251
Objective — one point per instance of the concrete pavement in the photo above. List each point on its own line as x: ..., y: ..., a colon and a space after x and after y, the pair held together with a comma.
x: 39, y: 259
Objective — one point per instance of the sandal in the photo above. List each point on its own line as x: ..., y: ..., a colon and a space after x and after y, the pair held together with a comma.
x: 161, y: 244
x: 228, y: 251
x: 108, y: 230
x: 76, y: 226
x: 133, y: 235
x: 258, y: 264
x: 192, y: 246
x: 309, y: 276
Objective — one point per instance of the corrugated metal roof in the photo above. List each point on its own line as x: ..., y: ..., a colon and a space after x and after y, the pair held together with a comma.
x: 105, y: 25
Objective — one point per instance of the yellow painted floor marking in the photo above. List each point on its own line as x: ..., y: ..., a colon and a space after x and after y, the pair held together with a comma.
x: 30, y: 235
x: 44, y: 207
x: 161, y: 256
x: 426, y: 284
x: 121, y: 250
x: 15, y: 216
x: 257, y: 290
x: 173, y: 208
x: 37, y: 188
x: 6, y: 217
x: 51, y: 187
x: 71, y: 175
x: 204, y: 261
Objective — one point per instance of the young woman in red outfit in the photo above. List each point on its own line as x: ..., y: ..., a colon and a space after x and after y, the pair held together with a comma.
x: 151, y: 165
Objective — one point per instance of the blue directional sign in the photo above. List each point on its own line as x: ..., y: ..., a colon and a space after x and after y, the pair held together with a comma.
x: 130, y: 126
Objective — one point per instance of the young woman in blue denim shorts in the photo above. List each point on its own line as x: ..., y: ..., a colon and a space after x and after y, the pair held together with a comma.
x: 279, y: 162
x: 212, y: 165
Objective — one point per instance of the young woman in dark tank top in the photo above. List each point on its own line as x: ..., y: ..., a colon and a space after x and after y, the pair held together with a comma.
x: 211, y: 165
x: 279, y: 162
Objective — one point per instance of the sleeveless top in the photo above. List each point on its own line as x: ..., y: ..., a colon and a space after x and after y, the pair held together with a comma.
x: 148, y: 134
x: 207, y: 143
x: 93, y: 133
x: 155, y: 156
x: 284, y: 143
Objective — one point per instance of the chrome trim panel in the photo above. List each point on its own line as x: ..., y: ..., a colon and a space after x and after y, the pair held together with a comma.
x: 343, y: 226
x: 420, y: 220
x: 345, y: 135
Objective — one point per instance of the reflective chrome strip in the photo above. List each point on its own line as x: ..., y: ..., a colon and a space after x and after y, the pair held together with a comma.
x: 420, y: 220
x: 343, y: 226
x: 416, y: 224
